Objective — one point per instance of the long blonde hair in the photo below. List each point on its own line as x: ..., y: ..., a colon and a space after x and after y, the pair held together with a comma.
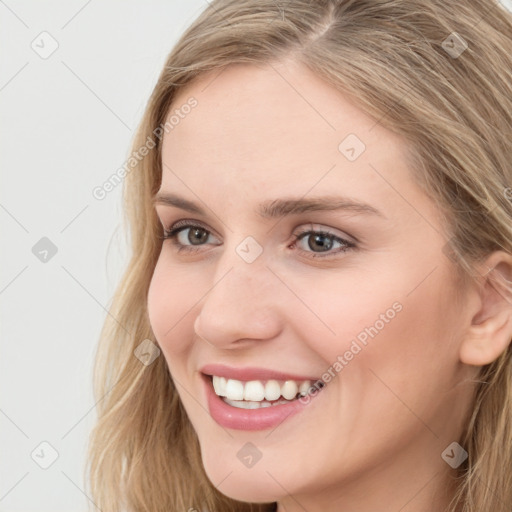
x: 406, y: 64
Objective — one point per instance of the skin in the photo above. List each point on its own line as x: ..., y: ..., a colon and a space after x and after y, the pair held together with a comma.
x: 372, y: 439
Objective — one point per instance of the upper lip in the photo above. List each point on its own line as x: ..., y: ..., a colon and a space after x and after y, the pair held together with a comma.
x: 251, y: 373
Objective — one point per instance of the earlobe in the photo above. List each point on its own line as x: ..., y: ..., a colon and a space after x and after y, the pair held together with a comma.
x: 490, y: 332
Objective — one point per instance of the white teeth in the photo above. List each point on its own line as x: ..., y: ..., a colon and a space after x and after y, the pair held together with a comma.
x: 256, y: 391
x: 235, y: 390
x: 304, y: 388
x: 219, y: 385
x: 242, y: 404
x: 289, y: 390
x: 272, y: 390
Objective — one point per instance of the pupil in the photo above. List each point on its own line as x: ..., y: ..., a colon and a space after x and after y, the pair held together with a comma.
x: 201, y: 239
x: 322, y: 245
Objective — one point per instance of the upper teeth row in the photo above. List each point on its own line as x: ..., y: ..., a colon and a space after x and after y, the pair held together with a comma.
x: 256, y: 390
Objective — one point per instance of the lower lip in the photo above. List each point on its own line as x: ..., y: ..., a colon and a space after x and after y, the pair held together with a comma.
x: 250, y: 419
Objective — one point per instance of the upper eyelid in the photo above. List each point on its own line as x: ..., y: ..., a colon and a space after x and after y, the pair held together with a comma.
x: 186, y: 223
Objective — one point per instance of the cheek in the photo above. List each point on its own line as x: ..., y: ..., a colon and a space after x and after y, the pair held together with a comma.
x: 376, y: 332
x: 390, y: 354
x: 338, y: 314
x: 169, y: 300
x: 410, y: 358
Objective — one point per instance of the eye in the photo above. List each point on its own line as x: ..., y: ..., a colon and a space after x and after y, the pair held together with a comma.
x: 324, y: 241
x: 181, y: 239
x: 190, y: 236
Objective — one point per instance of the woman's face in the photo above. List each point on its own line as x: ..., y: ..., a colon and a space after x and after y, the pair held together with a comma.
x: 368, y: 307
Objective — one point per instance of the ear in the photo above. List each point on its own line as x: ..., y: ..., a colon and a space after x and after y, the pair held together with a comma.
x: 490, y: 332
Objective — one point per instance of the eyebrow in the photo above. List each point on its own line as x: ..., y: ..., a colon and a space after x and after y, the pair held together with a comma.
x: 278, y: 208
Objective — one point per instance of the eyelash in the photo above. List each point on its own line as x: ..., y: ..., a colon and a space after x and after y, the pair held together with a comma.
x: 172, y: 233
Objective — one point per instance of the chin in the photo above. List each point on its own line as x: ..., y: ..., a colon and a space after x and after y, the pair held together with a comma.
x: 250, y: 485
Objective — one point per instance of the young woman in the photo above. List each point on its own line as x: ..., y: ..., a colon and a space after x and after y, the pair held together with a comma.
x: 317, y: 314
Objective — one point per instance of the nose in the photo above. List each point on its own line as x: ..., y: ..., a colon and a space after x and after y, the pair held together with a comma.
x: 242, y: 304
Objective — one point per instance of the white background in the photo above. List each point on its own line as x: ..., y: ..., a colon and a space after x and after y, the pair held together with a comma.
x: 66, y: 125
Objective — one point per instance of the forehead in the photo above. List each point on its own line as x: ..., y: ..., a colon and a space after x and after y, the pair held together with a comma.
x: 273, y: 128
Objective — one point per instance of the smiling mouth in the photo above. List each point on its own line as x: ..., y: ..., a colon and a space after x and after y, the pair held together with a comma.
x: 257, y: 394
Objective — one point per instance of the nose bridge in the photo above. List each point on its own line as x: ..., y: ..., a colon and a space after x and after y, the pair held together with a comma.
x: 239, y: 303
x: 242, y: 272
